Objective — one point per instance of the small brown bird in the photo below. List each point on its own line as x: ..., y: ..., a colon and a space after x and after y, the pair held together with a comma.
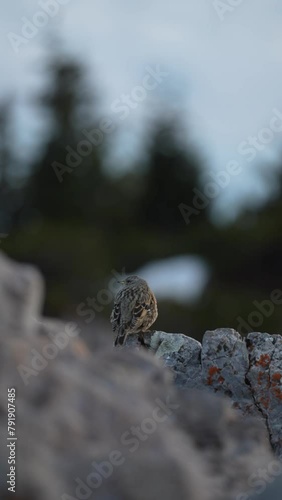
x: 135, y: 309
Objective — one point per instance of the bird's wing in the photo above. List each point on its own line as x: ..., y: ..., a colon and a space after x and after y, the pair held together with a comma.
x: 141, y: 307
x: 116, y: 313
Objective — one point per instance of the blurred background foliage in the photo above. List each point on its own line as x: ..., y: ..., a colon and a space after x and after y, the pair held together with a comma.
x: 78, y: 230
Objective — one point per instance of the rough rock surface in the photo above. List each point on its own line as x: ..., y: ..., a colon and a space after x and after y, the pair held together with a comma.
x: 265, y: 378
x: 249, y: 372
x: 112, y: 425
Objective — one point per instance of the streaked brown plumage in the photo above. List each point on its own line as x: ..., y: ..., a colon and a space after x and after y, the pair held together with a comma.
x: 135, y: 309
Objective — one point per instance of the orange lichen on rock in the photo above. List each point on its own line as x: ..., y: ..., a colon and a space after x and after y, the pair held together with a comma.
x: 276, y: 377
x: 277, y: 392
x: 260, y: 377
x: 264, y: 402
x: 264, y: 360
x: 212, y: 371
x: 276, y: 380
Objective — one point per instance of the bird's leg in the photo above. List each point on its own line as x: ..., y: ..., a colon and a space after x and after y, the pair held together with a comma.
x: 141, y: 338
x: 142, y: 341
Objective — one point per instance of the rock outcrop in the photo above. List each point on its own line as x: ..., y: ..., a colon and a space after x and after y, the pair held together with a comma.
x: 112, y: 424
x: 249, y: 372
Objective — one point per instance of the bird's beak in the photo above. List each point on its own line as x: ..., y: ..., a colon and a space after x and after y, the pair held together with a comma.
x: 121, y: 282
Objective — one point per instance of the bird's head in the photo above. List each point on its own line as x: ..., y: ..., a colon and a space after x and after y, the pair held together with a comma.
x: 131, y: 280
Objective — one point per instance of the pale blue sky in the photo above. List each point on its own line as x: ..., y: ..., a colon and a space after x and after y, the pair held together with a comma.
x: 224, y: 76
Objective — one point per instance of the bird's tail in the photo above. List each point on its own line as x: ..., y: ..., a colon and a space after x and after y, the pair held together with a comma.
x: 120, y: 338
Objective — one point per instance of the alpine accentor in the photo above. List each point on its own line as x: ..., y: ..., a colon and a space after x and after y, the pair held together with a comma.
x: 135, y: 309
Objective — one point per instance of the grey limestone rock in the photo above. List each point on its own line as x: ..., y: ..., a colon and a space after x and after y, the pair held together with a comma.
x: 265, y: 378
x: 247, y: 372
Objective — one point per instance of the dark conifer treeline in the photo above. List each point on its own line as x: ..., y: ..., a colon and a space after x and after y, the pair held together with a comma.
x: 79, y: 229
